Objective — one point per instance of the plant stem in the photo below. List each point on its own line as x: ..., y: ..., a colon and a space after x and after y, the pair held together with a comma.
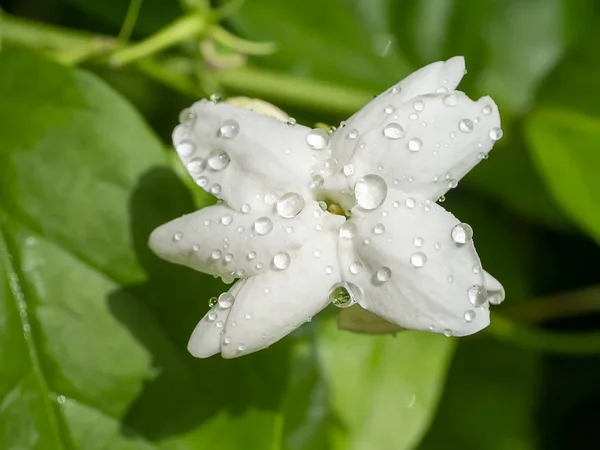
x: 130, y: 19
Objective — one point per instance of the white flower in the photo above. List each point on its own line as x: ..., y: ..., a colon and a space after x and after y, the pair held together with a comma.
x: 309, y: 219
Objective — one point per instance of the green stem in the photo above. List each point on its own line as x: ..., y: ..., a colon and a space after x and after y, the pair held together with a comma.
x: 182, y: 29
x: 305, y: 93
x: 130, y: 19
x: 585, y: 343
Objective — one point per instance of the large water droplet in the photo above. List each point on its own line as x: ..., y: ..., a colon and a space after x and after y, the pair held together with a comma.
x: 418, y: 260
x: 383, y: 274
x: 229, y: 129
x: 477, y: 294
x: 465, y: 125
x: 263, y: 225
x: 185, y: 148
x: 196, y: 165
x: 290, y: 205
x: 343, y: 295
x: 347, y: 230
x: 415, y: 144
x: 226, y: 219
x: 218, y: 160
x: 462, y: 233
x: 495, y: 134
x: 281, y: 260
x: 370, y: 191
x: 225, y: 300
x: 317, y: 139
x: 393, y: 131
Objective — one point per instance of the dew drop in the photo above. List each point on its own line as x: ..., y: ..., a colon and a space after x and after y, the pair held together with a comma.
x: 281, y: 260
x: 270, y: 198
x: 216, y: 254
x: 419, y: 105
x: 196, y: 165
x: 355, y: 268
x: 418, y: 260
x: 347, y: 230
x: 229, y: 129
x: 487, y: 110
x: 348, y: 169
x: 202, y: 182
x: 225, y: 300
x: 251, y: 256
x: 263, y: 225
x: 342, y: 295
x: 383, y: 274
x: 352, y: 134
x: 465, y: 125
x: 370, y: 191
x: 178, y: 236
x: 185, y: 148
x: 212, y: 302
x: 317, y: 139
x: 495, y: 134
x: 418, y: 242
x: 477, y: 295
x: 451, y: 99
x: 246, y: 208
x: 469, y: 316
x: 415, y: 144
x: 212, y: 315
x: 317, y: 181
x: 219, y: 324
x: 393, y: 131
x: 291, y: 121
x: 218, y: 160
x: 379, y: 228
x: 226, y: 219
x: 410, y: 202
x: 187, y: 116
x: 388, y: 109
x: 452, y: 183
x: 462, y: 233
x: 215, y: 189
x: 290, y: 205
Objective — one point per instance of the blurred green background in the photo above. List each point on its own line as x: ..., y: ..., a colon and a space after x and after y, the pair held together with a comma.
x: 93, y: 328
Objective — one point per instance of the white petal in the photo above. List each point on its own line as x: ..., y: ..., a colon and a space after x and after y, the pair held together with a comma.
x: 496, y: 293
x: 205, y: 340
x: 273, y: 304
x: 221, y: 241
x: 429, y: 151
x: 441, y: 76
x: 241, y: 156
x: 410, y: 269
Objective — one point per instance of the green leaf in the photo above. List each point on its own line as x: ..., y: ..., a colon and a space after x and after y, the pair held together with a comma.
x: 330, y: 41
x: 93, y: 326
x: 384, y: 389
x: 489, y: 401
x: 566, y: 149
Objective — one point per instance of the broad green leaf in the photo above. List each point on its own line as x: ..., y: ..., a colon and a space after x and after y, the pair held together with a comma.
x: 489, y: 400
x: 335, y: 41
x: 384, y: 389
x: 566, y: 149
x: 94, y: 327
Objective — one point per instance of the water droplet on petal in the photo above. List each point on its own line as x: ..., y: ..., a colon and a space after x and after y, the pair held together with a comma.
x: 486, y: 110
x: 418, y: 241
x: 246, y: 208
x: 410, y: 202
x: 225, y: 300
x: 347, y: 230
x: 226, y: 219
x: 271, y: 198
x: 196, y: 165
x: 263, y: 225
x: 202, y: 182
x: 462, y: 233
x: 215, y: 189
x: 379, y: 228
x: 393, y: 131
x: 342, y: 295
x: 448, y: 332
x: 317, y: 139
x: 281, y: 260
x: 215, y: 98
x: 370, y: 191
x: 318, y: 181
x: 419, y: 105
x: 348, y: 169
x: 178, y: 236
x: 383, y: 274
x: 216, y: 254
x: 452, y: 183
x: 187, y: 116
x: 290, y: 205
x: 469, y: 316
x: 495, y: 134
x: 496, y: 297
x: 212, y: 315
x: 465, y: 125
x: 229, y: 129
x: 355, y: 268
x: 477, y: 294
x: 352, y: 134
x: 451, y: 99
x: 212, y: 302
x: 218, y: 160
x: 388, y: 109
x: 185, y: 148
x: 418, y: 260
x: 219, y: 324
x: 291, y: 121
x: 415, y: 144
